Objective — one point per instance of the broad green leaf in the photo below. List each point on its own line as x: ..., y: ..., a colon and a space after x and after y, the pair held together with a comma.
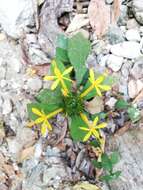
x: 97, y: 164
x: 94, y: 143
x: 114, y: 157
x: 106, y: 162
x: 62, y: 42
x: 78, y: 50
x: 121, y: 104
x: 116, y: 174
x: 47, y: 96
x: 45, y: 107
x: 134, y: 114
x: 62, y: 55
x: 75, y: 131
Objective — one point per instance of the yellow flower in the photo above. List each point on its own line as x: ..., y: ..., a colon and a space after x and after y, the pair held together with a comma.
x: 95, y: 84
x: 93, y: 128
x: 43, y: 118
x: 59, y: 77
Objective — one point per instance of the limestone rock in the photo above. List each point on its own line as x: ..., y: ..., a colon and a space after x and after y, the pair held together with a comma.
x: 133, y: 35
x: 138, y: 10
x: 134, y: 87
x: 114, y: 62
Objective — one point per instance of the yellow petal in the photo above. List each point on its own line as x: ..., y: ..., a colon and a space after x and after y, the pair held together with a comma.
x: 67, y: 71
x: 105, y: 87
x: 101, y: 126
x: 54, y: 113
x: 39, y: 120
x: 54, y: 63
x: 49, y: 77
x: 84, y: 118
x: 37, y: 112
x: 87, y: 136
x: 49, y: 126
x: 64, y: 92
x: 84, y: 129
x: 95, y: 121
x: 63, y: 85
x: 98, y: 91
x: 43, y: 130
x: 57, y: 72
x: 55, y: 84
x: 100, y: 79
x: 91, y: 74
x: 96, y: 134
x: 65, y: 78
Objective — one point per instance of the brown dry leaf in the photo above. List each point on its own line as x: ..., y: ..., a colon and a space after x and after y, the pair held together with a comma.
x: 115, y: 11
x: 85, y: 186
x: 27, y: 153
x: 99, y: 16
x: 63, y: 132
x: 122, y: 130
x: 95, y: 106
x: 138, y: 98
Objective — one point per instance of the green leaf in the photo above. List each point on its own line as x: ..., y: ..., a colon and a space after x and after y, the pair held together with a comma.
x: 94, y: 143
x: 47, y: 96
x: 78, y: 50
x: 62, y: 55
x: 45, y: 107
x: 116, y: 174
x: 134, y: 114
x: 75, y: 131
x: 106, y: 162
x: 114, y: 157
x: 121, y: 104
x: 97, y: 164
x: 106, y: 178
x: 62, y: 42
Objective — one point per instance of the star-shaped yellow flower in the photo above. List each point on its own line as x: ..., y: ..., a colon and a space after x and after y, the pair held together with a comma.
x: 43, y: 118
x: 96, y: 84
x: 59, y: 77
x: 93, y: 128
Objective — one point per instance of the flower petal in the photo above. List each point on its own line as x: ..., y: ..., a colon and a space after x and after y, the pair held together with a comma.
x: 57, y: 72
x: 91, y: 74
x: 48, y: 125
x: 87, y: 136
x: 101, y: 126
x: 49, y: 77
x: 96, y: 134
x: 100, y: 79
x: 55, y: 84
x: 104, y: 87
x: 39, y: 120
x: 95, y: 121
x: 84, y: 118
x: 43, y: 129
x: 98, y: 91
x: 37, y: 112
x: 67, y: 71
x: 65, y: 78
x: 52, y: 114
x: 84, y: 129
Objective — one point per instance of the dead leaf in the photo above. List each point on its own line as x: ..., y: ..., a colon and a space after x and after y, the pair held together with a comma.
x: 115, y: 11
x: 122, y: 130
x: 85, y: 186
x: 99, y: 16
x: 63, y: 132
x: 95, y: 106
x: 27, y: 153
x: 78, y: 22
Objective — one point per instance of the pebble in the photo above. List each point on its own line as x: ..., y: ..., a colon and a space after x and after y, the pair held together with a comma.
x: 137, y: 69
x: 103, y: 60
x: 2, y: 73
x: 114, y: 62
x: 7, y: 106
x: 132, y: 24
x: 133, y: 35
x: 34, y: 84
x: 137, y: 7
x: 127, y: 49
x: 111, y: 102
x: 109, y: 2
x: 134, y: 87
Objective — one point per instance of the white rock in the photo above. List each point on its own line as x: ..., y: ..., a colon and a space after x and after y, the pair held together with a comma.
x: 134, y: 87
x: 111, y: 102
x: 103, y: 60
x: 128, y: 50
x: 2, y: 72
x: 109, y: 1
x: 132, y: 23
x: 15, y: 15
x: 133, y: 35
x: 7, y: 106
x: 137, y: 7
x: 34, y: 84
x: 114, y: 62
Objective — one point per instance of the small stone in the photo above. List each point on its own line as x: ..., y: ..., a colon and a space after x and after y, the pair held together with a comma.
x: 111, y: 102
x: 115, y: 35
x: 34, y: 84
x: 137, y: 7
x: 7, y: 106
x: 133, y: 35
x: 2, y: 73
x: 109, y: 2
x: 3, y: 83
x: 137, y: 70
x: 128, y: 50
x: 134, y: 87
x: 103, y: 60
x: 132, y: 24
x: 114, y: 62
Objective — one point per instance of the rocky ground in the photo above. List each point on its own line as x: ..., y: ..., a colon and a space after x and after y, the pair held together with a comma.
x: 28, y: 162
